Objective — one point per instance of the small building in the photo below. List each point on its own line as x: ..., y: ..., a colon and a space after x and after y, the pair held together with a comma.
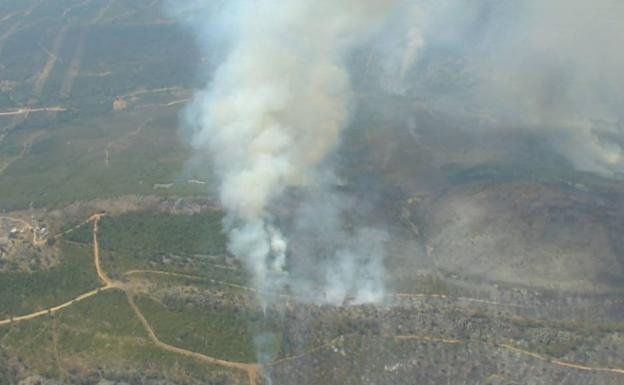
x: 119, y: 104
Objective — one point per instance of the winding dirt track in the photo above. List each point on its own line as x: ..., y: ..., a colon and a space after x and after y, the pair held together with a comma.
x: 109, y: 284
x: 96, y: 253
x: 514, y: 349
x: 253, y: 370
x: 456, y: 341
x: 559, y: 362
x: 54, y: 309
x: 425, y: 338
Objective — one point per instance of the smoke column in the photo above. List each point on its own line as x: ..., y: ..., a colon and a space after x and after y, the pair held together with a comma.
x: 280, y: 97
x: 272, y: 114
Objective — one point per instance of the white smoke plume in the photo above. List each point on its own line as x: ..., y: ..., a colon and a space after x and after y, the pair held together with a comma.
x: 281, y: 95
x: 273, y: 113
x: 552, y: 68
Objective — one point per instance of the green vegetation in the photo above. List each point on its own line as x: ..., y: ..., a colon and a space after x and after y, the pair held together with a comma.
x: 130, y: 47
x: 120, y: 323
x: 134, y: 56
x: 147, y: 233
x: 69, y: 163
x: 128, y: 50
x: 164, y: 280
x: 112, y: 343
x: 26, y: 292
x: 219, y: 334
x: 192, y: 244
x: 22, y: 57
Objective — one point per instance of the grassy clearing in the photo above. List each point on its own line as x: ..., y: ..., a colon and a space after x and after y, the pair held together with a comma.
x: 22, y: 293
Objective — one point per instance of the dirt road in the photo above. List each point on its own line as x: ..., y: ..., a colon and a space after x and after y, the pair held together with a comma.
x: 23, y: 111
x: 252, y: 370
x: 109, y: 284
x: 96, y: 254
x: 55, y: 309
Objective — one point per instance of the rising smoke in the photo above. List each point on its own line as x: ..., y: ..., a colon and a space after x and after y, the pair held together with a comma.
x: 551, y: 69
x: 283, y: 79
x: 271, y: 117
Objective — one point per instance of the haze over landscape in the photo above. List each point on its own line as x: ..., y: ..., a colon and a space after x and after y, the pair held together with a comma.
x: 311, y: 192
